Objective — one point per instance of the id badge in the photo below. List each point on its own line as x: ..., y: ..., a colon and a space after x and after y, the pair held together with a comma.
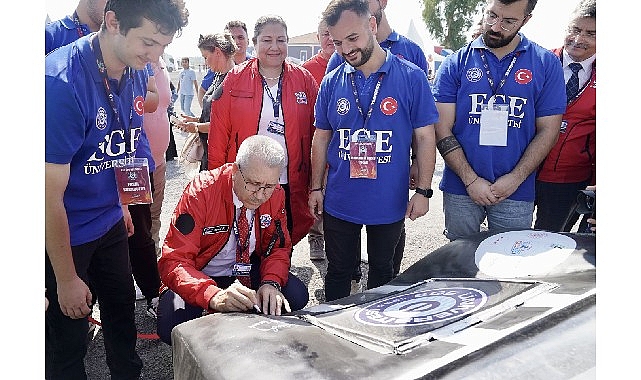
x: 276, y: 128
x: 240, y: 269
x: 132, y: 179
x: 362, y: 157
x: 493, y: 130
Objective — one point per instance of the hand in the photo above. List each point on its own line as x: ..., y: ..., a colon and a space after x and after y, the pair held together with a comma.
x: 271, y: 300
x: 129, y: 223
x: 192, y: 119
x: 505, y: 186
x: 592, y: 223
x: 480, y: 192
x: 236, y: 297
x: 413, y: 175
x: 418, y: 206
x: 315, y: 203
x: 74, y: 298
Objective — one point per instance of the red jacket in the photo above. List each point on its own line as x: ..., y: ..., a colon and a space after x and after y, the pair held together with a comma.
x: 235, y: 116
x: 573, y: 157
x: 209, y: 201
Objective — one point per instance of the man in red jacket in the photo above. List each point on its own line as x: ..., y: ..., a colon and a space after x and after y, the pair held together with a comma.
x: 571, y: 164
x: 210, y: 263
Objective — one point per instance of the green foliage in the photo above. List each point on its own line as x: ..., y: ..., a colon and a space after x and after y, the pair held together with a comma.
x: 448, y: 21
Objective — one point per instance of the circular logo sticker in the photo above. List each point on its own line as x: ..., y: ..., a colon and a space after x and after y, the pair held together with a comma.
x: 522, y: 253
x: 342, y: 106
x: 389, y: 106
x: 474, y: 74
x: 523, y: 76
x: 101, y: 119
x: 422, y: 307
x: 139, y: 105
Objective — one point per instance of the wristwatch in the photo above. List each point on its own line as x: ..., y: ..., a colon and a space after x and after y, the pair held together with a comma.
x: 427, y: 193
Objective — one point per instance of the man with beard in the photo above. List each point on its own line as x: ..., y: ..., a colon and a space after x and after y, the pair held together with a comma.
x: 368, y: 111
x: 571, y: 164
x: 405, y: 48
x: 500, y: 101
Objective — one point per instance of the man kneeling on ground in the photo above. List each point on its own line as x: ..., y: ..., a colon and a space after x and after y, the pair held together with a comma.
x: 228, y: 247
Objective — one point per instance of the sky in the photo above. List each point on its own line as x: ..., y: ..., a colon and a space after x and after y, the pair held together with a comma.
x: 546, y: 27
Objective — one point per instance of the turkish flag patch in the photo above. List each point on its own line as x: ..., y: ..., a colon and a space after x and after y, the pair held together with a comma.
x: 389, y: 106
x: 523, y: 76
x: 139, y: 105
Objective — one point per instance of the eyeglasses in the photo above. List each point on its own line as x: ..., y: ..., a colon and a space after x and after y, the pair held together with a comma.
x: 507, y: 24
x: 253, y: 187
x: 573, y: 31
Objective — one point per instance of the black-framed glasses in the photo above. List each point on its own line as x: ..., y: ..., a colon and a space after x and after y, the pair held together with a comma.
x: 507, y: 24
x: 254, y: 187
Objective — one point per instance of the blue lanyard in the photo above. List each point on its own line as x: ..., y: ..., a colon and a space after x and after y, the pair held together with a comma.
x: 490, y: 79
x: 358, y: 102
x: 275, y: 102
x: 102, y: 68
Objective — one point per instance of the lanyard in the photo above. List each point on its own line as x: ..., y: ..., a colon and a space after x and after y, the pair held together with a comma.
x: 102, y: 68
x: 358, y: 102
x: 76, y: 21
x: 249, y: 232
x: 489, y: 74
x: 275, y: 102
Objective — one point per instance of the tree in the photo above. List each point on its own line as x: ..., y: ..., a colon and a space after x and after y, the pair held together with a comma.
x: 448, y: 21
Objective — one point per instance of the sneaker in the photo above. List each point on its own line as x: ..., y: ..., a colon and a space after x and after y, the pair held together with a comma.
x: 316, y: 249
x: 152, y: 307
x: 356, y: 287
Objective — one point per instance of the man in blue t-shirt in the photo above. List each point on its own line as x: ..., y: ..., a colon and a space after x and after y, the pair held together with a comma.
x: 500, y: 100
x: 368, y: 112
x: 402, y: 47
x: 86, y: 19
x: 95, y: 89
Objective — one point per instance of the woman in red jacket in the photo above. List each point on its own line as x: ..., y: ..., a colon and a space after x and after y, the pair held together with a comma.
x: 269, y: 96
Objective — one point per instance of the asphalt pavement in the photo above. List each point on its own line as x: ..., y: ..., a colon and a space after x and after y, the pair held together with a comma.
x: 424, y: 235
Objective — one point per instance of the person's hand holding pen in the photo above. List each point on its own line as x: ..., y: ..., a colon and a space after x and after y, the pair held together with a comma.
x: 236, y: 297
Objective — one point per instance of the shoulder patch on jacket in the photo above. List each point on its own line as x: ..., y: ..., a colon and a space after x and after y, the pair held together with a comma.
x: 185, y: 223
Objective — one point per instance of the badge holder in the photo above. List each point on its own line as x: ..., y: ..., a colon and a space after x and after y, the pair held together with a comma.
x: 493, y: 131
x: 362, y: 157
x: 134, y: 184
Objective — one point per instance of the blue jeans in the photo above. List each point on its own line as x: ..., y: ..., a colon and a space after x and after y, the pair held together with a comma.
x: 185, y: 104
x: 463, y: 217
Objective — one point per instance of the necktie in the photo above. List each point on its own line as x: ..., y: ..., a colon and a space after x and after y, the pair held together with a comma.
x: 242, y: 246
x: 572, y: 87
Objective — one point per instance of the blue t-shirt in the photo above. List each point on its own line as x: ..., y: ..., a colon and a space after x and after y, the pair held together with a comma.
x: 533, y: 88
x: 404, y: 103
x: 63, y: 32
x: 208, y: 79
x: 399, y: 45
x: 81, y: 130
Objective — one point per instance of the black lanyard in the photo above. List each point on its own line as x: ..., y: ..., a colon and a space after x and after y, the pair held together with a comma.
x: 489, y: 74
x: 102, y: 68
x: 358, y: 102
x: 76, y: 21
x: 249, y: 232
x: 275, y: 102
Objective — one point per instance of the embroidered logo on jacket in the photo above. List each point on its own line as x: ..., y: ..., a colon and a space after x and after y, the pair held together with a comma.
x: 265, y: 220
x: 301, y: 97
x: 215, y: 229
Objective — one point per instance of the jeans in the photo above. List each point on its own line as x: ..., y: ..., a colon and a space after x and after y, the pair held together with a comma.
x: 463, y: 217
x: 185, y: 104
x: 342, y: 247
x: 104, y: 266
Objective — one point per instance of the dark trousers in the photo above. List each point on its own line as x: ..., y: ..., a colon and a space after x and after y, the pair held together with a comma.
x: 104, y: 265
x: 342, y: 247
x: 173, y: 310
x: 142, y: 251
x: 554, y: 201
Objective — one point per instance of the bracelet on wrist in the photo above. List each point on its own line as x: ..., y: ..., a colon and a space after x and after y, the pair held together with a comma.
x: 474, y: 180
x: 318, y: 189
x: 272, y: 283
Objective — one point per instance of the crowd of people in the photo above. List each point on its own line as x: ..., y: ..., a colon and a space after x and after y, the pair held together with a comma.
x: 317, y: 150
